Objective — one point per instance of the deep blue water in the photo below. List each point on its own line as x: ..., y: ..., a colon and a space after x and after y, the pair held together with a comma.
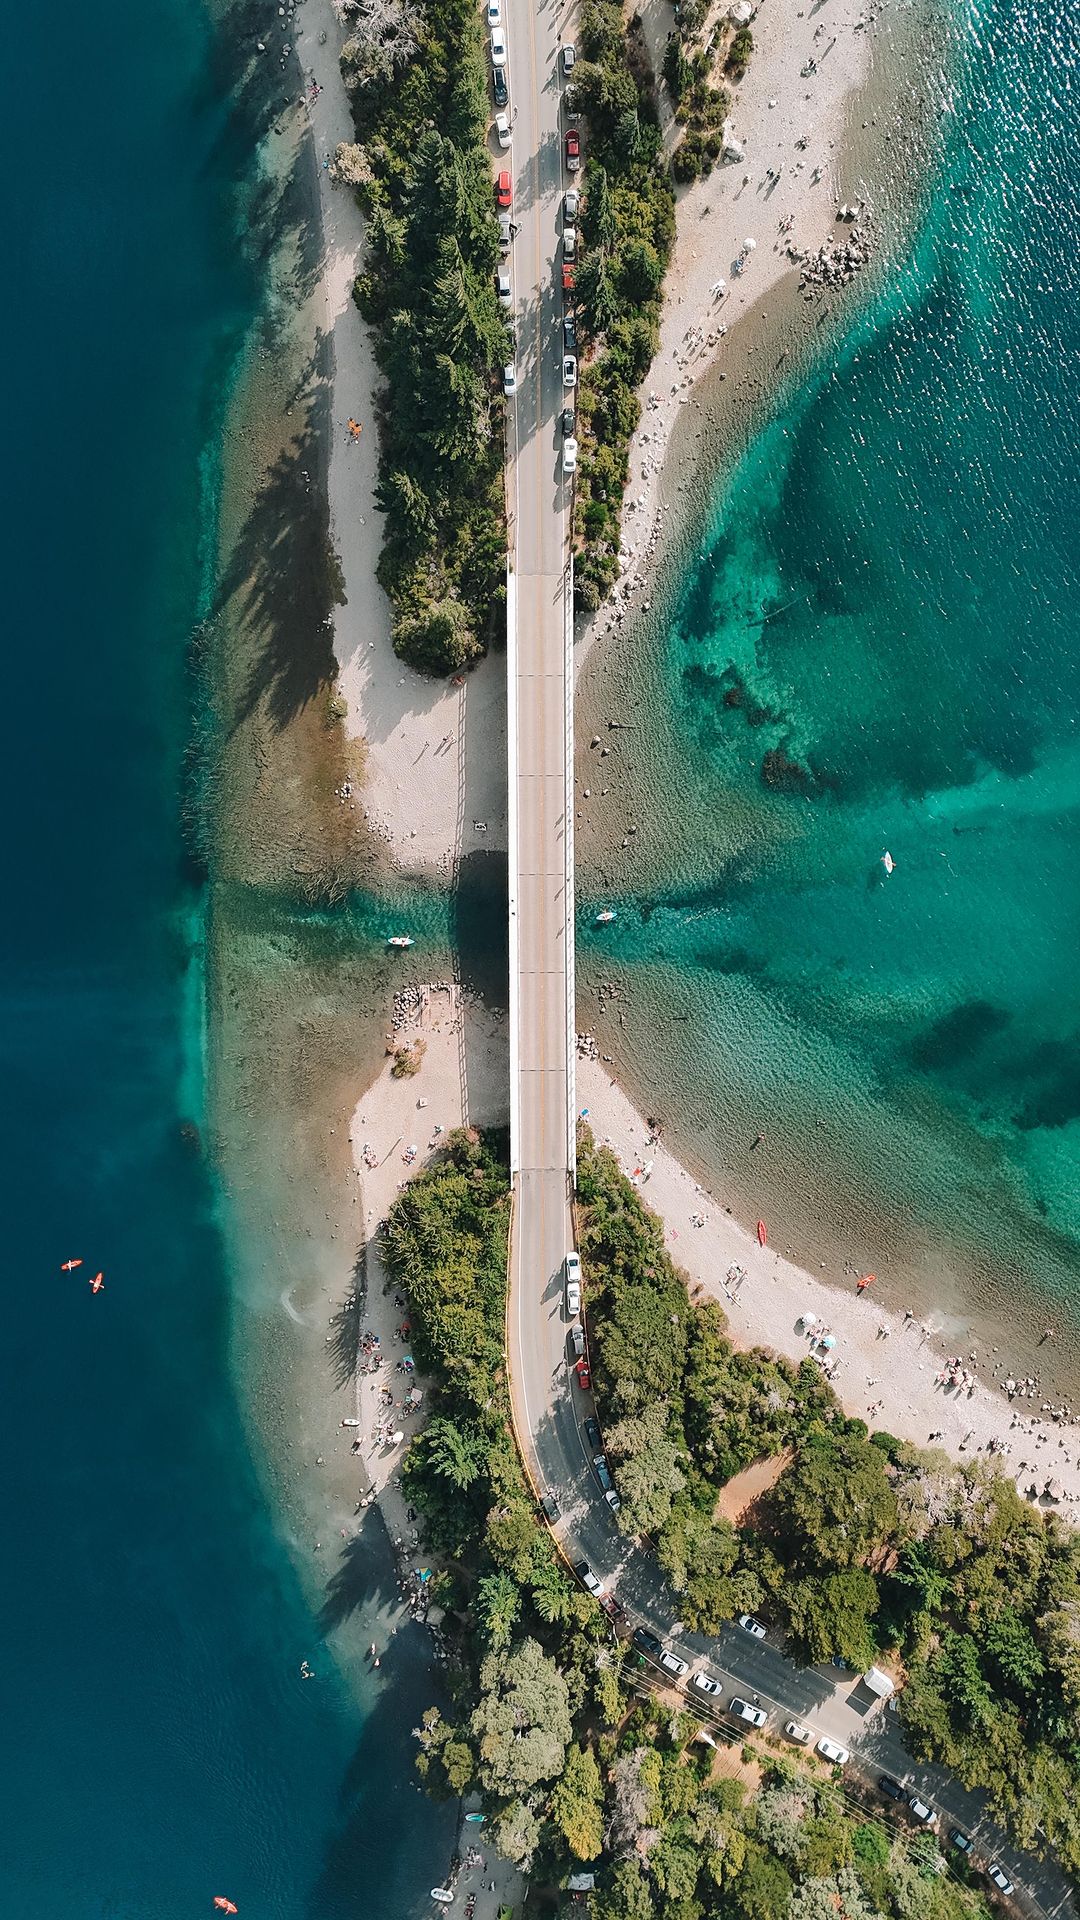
x: 159, y: 1745
x: 878, y: 647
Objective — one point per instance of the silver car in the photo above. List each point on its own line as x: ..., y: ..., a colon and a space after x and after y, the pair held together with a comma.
x: 673, y: 1663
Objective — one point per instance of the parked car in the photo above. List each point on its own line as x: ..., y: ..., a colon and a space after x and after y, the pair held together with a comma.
x: 505, y: 235
x: 494, y: 13
x: 674, y: 1664
x: 1000, y: 1878
x: 509, y: 380
x: 576, y: 1340
x: 550, y: 1506
x: 569, y: 370
x: 832, y: 1750
x: 705, y: 1683
x: 573, y: 1299
x: 592, y: 1432
x: 569, y: 243
x: 569, y: 333
x: 890, y: 1788
x: 568, y: 420
x: 567, y: 278
x: 571, y: 200
x: 499, y: 85
x: 587, y: 1577
x: 602, y: 1470
x: 750, y: 1716
x: 584, y: 1377
x: 504, y: 190
x: 960, y: 1840
x: 797, y: 1732
x: 568, y: 59
x: 498, y: 47
x: 572, y: 1266
x: 647, y: 1642
x: 502, y: 286
x: 751, y: 1626
x: 502, y: 130
x: 569, y: 455
x: 573, y: 149
x: 919, y: 1810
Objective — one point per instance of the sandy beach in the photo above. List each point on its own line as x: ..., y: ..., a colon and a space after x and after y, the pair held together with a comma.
x: 435, y: 763
x: 889, y: 1364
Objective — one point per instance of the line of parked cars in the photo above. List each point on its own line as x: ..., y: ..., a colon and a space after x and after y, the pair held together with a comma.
x: 925, y: 1814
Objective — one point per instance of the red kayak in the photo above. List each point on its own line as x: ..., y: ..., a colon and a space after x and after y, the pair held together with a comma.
x: 762, y: 1233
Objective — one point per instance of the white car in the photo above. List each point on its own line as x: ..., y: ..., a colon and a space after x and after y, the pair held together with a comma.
x: 705, y: 1683
x: 751, y: 1626
x: 569, y: 455
x: 921, y: 1812
x: 502, y: 286
x: 494, y: 13
x: 750, y: 1716
x: 573, y: 1298
x: 498, y: 47
x: 1000, y: 1878
x: 569, y: 242
x: 588, y: 1578
x: 505, y: 235
x: 673, y: 1664
x: 502, y: 130
x: 568, y: 59
x: 569, y: 370
x: 509, y: 380
x: 571, y: 203
x: 797, y: 1732
x: 830, y: 1750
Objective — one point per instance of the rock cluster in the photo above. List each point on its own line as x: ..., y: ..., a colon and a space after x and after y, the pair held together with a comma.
x: 834, y: 264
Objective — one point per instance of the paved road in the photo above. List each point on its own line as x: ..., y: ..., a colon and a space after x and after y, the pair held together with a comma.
x: 548, y: 1408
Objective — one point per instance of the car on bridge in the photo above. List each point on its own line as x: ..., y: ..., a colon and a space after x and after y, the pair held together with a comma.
x: 751, y: 1626
x: 750, y: 1716
x: 705, y: 1683
x: 832, y: 1750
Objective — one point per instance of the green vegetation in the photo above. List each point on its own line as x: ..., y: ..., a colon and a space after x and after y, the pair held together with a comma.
x: 859, y: 1546
x: 628, y: 226
x: 418, y: 85
x: 701, y: 107
x: 739, y: 52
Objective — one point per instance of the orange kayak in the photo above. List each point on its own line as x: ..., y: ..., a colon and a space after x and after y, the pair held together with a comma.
x: 762, y: 1233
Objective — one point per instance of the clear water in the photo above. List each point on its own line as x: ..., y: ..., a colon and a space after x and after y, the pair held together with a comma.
x: 879, y: 648
x: 159, y: 1744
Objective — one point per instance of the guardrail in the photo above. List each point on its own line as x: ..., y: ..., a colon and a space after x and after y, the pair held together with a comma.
x: 512, y: 855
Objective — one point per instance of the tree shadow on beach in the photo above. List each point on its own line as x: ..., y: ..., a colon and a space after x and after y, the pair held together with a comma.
x: 347, y: 1325
x: 364, y: 1577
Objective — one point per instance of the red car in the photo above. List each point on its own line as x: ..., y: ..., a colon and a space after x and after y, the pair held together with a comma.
x: 583, y: 1376
x: 567, y: 278
x: 573, y: 150
x: 504, y: 192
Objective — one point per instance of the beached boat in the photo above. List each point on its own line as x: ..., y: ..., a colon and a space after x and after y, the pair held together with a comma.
x: 762, y: 1233
x: 444, y: 1895
x: 400, y: 940
x: 605, y: 916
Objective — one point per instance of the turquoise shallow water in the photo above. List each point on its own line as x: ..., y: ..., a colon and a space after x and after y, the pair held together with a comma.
x: 879, y: 647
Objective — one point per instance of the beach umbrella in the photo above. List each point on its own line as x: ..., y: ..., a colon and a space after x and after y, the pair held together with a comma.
x: 749, y: 245
x: 808, y: 1320
x: 829, y: 1341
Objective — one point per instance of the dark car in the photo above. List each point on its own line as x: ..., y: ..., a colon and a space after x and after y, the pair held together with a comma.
x: 962, y: 1841
x: 550, y: 1506
x: 592, y: 1432
x: 647, y: 1642
x: 498, y: 81
x: 890, y: 1788
x: 602, y: 1471
x: 568, y: 419
x: 569, y: 333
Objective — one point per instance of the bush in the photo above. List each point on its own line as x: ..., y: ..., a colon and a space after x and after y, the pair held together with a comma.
x: 739, y: 53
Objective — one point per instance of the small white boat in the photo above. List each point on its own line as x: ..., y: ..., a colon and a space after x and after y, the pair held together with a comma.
x: 444, y: 1896
x: 887, y: 861
x: 400, y: 940
x: 603, y: 918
